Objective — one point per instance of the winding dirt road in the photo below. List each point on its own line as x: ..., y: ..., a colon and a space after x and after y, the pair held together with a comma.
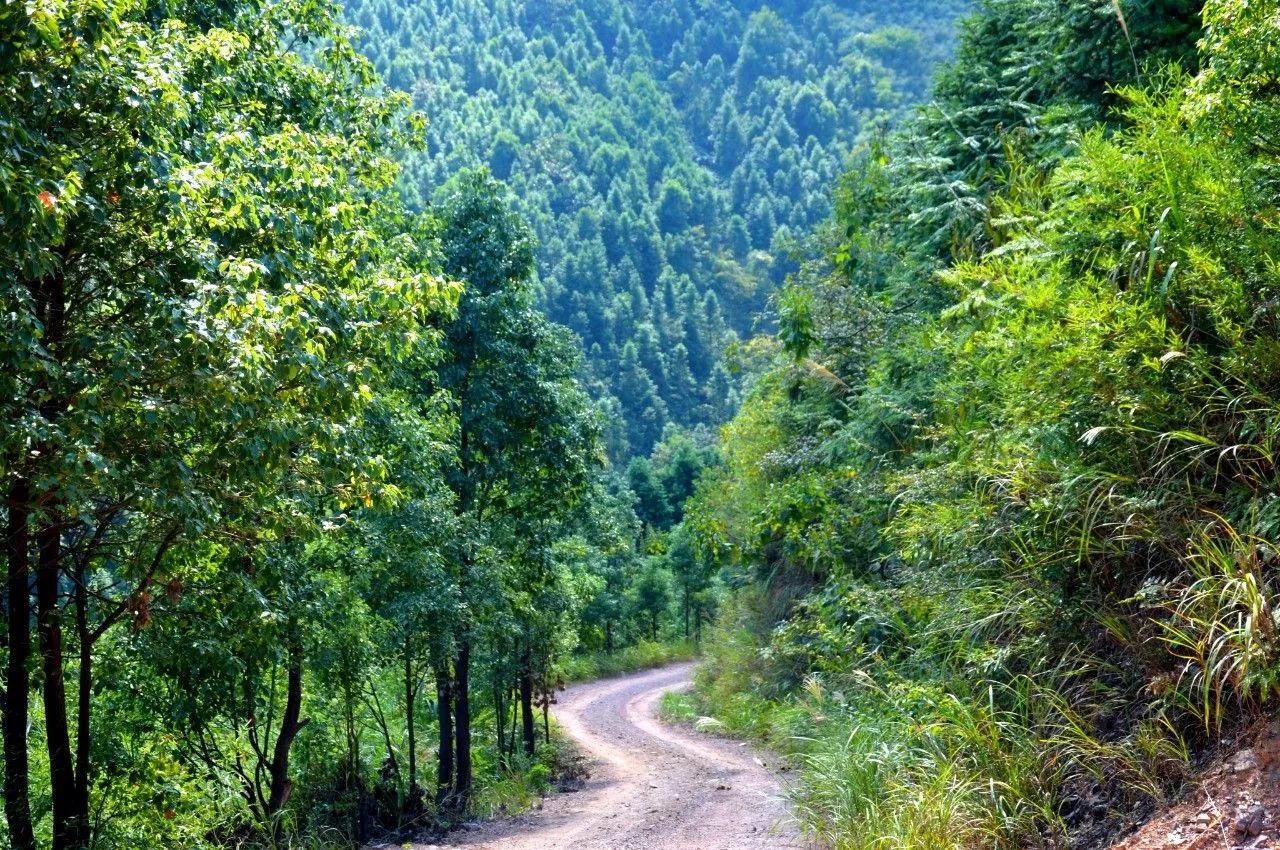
x: 652, y: 787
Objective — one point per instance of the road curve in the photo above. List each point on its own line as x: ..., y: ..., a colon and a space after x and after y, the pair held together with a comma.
x: 652, y: 786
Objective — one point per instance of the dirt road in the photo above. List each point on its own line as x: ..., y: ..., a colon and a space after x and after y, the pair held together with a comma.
x: 652, y: 787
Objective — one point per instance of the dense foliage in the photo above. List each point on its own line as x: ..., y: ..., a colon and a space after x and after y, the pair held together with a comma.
x: 667, y: 154
x: 337, y: 437
x: 308, y: 504
x: 306, y: 507
x: 1002, y: 508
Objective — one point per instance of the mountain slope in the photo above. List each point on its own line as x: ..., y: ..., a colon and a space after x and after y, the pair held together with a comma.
x: 665, y: 153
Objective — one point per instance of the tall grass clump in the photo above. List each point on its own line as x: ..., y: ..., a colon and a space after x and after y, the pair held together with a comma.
x: 1218, y: 620
x: 952, y: 774
x: 892, y: 745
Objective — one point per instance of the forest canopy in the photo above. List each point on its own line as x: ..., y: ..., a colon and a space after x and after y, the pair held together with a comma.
x: 667, y: 155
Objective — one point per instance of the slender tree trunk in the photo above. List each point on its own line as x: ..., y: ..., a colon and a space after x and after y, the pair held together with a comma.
x: 70, y: 818
x: 608, y: 636
x: 686, y: 614
x: 444, y: 717
x: 410, y: 699
x: 526, y: 702
x: 84, y: 695
x: 500, y: 721
x: 70, y: 806
x: 352, y: 782
x: 513, y: 694
x: 83, y: 703
x: 17, y: 803
x: 353, y: 735
x: 462, y: 728
x: 290, y: 724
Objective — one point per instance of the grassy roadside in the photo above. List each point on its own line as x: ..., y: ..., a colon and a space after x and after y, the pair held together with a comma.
x: 933, y: 772
x: 642, y: 656
x: 914, y: 753
x: 523, y: 782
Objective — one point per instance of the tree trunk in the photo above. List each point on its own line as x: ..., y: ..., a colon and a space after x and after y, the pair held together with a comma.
x: 500, y: 721
x: 353, y: 738
x: 410, y: 697
x: 513, y: 694
x: 84, y: 693
x: 17, y: 803
x: 70, y: 805
x: 70, y: 814
x: 608, y: 636
x: 462, y: 729
x: 526, y: 703
x: 444, y: 717
x: 290, y: 724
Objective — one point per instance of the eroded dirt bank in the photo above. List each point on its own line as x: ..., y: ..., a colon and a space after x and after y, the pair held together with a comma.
x: 652, y: 787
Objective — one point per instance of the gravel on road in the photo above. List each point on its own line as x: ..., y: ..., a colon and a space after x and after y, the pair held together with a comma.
x: 652, y: 786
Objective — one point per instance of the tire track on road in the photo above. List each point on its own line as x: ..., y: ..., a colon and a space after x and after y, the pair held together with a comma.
x: 652, y: 786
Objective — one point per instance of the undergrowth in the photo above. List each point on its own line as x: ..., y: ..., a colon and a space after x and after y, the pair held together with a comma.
x: 1002, y: 518
x: 920, y: 750
x: 518, y: 784
x: 677, y: 707
x: 642, y: 656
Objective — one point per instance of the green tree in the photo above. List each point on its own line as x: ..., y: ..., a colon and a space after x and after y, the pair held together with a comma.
x: 694, y: 575
x: 651, y: 498
x: 526, y: 433
x: 502, y: 158
x: 193, y: 328
x: 675, y: 207
x: 651, y: 593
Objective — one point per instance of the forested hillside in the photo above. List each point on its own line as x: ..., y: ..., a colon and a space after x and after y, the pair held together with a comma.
x: 665, y: 153
x: 1002, y: 510
x: 358, y: 389
x: 308, y: 501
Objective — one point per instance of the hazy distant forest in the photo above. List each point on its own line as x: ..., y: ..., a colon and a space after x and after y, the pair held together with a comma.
x: 670, y: 158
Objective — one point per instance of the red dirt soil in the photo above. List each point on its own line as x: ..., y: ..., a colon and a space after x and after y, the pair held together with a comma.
x: 1235, y: 803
